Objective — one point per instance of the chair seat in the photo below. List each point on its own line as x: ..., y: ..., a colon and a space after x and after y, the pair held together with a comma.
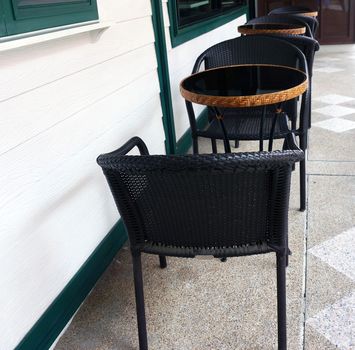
x: 240, y: 250
x: 245, y: 127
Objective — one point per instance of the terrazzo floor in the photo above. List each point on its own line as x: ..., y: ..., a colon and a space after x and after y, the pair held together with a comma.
x: 205, y: 304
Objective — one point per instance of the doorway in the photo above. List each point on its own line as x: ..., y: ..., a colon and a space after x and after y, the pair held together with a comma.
x: 336, y: 17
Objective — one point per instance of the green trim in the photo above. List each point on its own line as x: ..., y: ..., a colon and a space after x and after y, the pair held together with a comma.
x: 52, y: 322
x: 163, y: 74
x: 2, y: 20
x: 185, y: 141
x: 23, y: 19
x: 179, y: 36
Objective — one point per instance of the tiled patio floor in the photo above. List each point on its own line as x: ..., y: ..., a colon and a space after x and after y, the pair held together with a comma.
x: 205, y: 304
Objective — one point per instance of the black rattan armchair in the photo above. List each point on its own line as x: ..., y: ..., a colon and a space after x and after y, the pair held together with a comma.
x: 244, y: 123
x: 224, y: 205
x: 312, y: 22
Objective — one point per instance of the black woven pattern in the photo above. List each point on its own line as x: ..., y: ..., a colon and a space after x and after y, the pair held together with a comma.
x: 217, y: 204
x: 258, y: 49
x: 284, y: 19
x: 245, y: 126
x: 289, y: 11
x: 312, y: 22
x: 309, y: 47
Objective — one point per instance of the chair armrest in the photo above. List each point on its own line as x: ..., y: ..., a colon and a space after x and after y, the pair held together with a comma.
x: 198, y: 63
x: 129, y: 145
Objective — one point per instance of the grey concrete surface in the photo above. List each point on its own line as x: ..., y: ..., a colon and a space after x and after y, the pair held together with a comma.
x: 205, y: 304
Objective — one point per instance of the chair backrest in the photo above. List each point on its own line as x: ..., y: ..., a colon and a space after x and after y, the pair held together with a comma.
x: 288, y: 9
x: 283, y: 19
x: 308, y: 46
x: 185, y: 205
x: 312, y: 22
x: 256, y: 49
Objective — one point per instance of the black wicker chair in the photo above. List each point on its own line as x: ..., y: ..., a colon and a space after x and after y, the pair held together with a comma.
x: 223, y: 205
x: 309, y: 47
x: 283, y: 19
x: 312, y: 22
x: 244, y: 123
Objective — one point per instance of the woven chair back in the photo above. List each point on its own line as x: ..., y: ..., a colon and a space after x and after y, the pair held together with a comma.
x: 202, y: 204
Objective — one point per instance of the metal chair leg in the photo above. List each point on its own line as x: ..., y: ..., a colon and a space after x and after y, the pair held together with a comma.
x: 288, y: 251
x: 281, y: 300
x: 303, y: 189
x: 214, y: 145
x: 138, y: 287
x: 236, y: 143
x: 194, y: 145
x: 162, y: 261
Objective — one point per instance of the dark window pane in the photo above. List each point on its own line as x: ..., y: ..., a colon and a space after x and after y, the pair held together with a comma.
x: 192, y: 11
x: 21, y: 3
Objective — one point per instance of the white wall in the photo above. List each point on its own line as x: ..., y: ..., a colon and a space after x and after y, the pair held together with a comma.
x: 62, y: 103
x: 182, y: 58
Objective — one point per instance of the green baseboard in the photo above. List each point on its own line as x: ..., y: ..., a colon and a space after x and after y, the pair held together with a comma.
x: 185, y: 142
x: 48, y: 327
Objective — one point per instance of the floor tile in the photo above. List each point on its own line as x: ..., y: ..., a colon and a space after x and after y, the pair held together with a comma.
x: 331, y: 207
x: 336, y: 124
x: 334, y: 99
x: 315, y: 341
x: 326, y: 59
x: 326, y: 145
x: 328, y: 70
x: 337, y: 323
x: 325, y: 286
x: 338, y: 252
x: 335, y: 111
x: 318, y: 167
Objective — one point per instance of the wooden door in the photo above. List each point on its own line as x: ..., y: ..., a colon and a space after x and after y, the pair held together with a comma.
x: 265, y: 6
x: 337, y: 18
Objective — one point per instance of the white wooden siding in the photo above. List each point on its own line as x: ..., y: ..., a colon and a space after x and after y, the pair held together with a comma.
x: 182, y: 58
x: 63, y: 103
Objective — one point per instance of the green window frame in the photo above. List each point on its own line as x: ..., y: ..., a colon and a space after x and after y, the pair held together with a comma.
x: 24, y: 16
x: 180, y: 35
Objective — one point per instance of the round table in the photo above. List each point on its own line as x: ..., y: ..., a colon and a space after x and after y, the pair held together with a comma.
x: 248, y: 85
x: 272, y: 28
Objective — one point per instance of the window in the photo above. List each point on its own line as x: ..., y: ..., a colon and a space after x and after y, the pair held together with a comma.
x: 191, y: 18
x: 192, y: 11
x: 21, y: 16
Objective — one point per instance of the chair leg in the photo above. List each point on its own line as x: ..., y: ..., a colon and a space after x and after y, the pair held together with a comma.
x: 162, y: 261
x: 288, y: 251
x: 138, y: 287
x: 236, y: 143
x: 303, y: 186
x: 281, y: 301
x: 214, y: 145
x: 194, y: 145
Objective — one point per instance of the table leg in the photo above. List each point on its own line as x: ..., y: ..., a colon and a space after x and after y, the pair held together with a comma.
x: 273, y: 125
x: 219, y: 116
x: 261, y: 132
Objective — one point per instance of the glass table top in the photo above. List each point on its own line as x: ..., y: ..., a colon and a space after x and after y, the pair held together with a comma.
x: 244, y: 85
